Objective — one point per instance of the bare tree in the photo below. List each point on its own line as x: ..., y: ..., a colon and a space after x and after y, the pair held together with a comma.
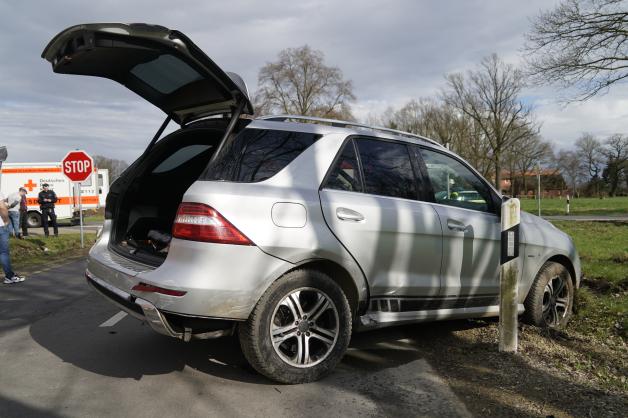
x: 569, y: 165
x: 591, y: 155
x: 490, y: 96
x: 115, y: 167
x: 300, y: 83
x: 616, y: 152
x: 524, y: 155
x: 441, y: 122
x: 581, y: 44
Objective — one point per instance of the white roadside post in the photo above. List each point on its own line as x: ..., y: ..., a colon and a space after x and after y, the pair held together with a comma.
x: 508, y: 292
x: 567, y: 204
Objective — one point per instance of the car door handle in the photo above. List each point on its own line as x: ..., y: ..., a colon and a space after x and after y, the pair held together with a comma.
x: 345, y: 214
x: 456, y: 225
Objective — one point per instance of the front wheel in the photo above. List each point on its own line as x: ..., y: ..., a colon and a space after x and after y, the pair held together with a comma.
x: 299, y: 330
x: 549, y: 303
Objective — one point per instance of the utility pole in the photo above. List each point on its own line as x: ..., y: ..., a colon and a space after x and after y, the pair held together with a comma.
x: 538, y: 187
x: 3, y: 156
x: 508, y: 273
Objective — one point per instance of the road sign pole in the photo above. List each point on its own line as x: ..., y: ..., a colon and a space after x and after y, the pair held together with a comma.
x: 508, y: 292
x: 77, y: 166
x: 81, y: 214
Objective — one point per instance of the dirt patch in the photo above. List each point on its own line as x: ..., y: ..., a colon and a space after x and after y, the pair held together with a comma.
x: 554, y: 374
x: 598, y: 285
x: 558, y: 374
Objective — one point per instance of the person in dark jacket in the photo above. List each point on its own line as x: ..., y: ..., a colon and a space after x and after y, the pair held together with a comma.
x: 47, y: 199
x: 24, y: 213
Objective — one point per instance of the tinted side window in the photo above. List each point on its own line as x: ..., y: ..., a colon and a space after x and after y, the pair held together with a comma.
x: 180, y: 157
x: 454, y: 184
x: 258, y: 154
x: 387, y: 169
x: 346, y: 172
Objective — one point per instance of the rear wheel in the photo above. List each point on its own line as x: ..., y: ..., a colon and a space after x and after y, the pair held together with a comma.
x: 299, y: 330
x: 33, y: 219
x: 549, y: 303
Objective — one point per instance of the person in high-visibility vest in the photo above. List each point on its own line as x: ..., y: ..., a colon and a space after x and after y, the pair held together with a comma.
x: 47, y: 199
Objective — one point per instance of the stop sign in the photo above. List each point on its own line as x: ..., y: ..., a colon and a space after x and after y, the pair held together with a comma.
x: 77, y: 165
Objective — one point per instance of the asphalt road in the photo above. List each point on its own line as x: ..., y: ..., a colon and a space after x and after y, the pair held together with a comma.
x: 67, y: 352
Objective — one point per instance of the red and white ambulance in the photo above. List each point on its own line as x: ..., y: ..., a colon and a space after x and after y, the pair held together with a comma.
x: 32, y: 175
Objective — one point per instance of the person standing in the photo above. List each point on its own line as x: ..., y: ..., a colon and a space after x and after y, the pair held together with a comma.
x: 13, y: 202
x: 47, y: 199
x: 5, y: 257
x: 24, y: 213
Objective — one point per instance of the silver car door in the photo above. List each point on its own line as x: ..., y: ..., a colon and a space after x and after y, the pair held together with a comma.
x: 471, y: 229
x: 395, y: 239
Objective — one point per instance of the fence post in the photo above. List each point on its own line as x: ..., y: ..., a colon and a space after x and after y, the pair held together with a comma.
x: 508, y: 292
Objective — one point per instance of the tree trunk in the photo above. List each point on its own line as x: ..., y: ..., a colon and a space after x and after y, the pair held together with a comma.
x: 498, y: 173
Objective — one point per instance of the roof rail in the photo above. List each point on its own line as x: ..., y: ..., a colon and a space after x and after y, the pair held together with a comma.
x: 346, y: 124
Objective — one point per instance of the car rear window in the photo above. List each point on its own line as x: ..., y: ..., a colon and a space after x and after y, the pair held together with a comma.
x: 258, y: 154
x: 165, y: 73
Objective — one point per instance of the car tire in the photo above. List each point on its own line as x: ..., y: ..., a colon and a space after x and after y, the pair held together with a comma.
x: 33, y: 219
x: 549, y: 303
x: 282, y: 343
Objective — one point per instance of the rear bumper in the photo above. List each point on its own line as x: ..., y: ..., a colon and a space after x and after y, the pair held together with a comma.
x: 145, y: 311
x: 221, y: 282
x: 134, y: 306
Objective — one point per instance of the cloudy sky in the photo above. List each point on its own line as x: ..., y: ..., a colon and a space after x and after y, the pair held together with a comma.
x: 393, y: 51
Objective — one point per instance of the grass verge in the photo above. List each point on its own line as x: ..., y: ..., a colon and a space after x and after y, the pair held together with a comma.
x: 578, y: 206
x: 599, y: 327
x: 31, y: 253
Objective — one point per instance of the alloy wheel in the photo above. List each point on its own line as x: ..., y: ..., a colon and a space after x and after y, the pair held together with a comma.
x: 555, y: 301
x: 304, y: 327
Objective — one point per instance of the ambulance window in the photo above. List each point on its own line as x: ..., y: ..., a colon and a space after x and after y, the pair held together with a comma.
x: 100, y: 180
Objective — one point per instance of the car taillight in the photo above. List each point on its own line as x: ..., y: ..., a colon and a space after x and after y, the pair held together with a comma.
x: 199, y: 222
x: 143, y: 287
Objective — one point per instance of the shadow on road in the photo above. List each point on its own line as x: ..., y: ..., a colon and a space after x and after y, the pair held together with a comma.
x: 397, y: 369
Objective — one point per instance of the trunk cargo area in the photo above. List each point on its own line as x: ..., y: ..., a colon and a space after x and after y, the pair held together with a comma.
x: 146, y: 197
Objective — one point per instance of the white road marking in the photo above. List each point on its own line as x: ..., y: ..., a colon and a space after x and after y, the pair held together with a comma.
x: 114, y: 319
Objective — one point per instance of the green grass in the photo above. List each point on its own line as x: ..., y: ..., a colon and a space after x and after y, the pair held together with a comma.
x: 603, y: 249
x: 579, y: 206
x: 92, y: 219
x: 602, y: 302
x: 37, y: 252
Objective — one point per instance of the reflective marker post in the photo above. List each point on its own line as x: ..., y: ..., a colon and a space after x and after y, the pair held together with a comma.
x: 508, y: 292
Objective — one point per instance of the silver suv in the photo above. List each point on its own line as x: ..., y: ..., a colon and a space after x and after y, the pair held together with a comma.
x: 293, y: 235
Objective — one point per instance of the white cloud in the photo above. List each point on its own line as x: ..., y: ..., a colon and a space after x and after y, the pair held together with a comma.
x: 393, y: 51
